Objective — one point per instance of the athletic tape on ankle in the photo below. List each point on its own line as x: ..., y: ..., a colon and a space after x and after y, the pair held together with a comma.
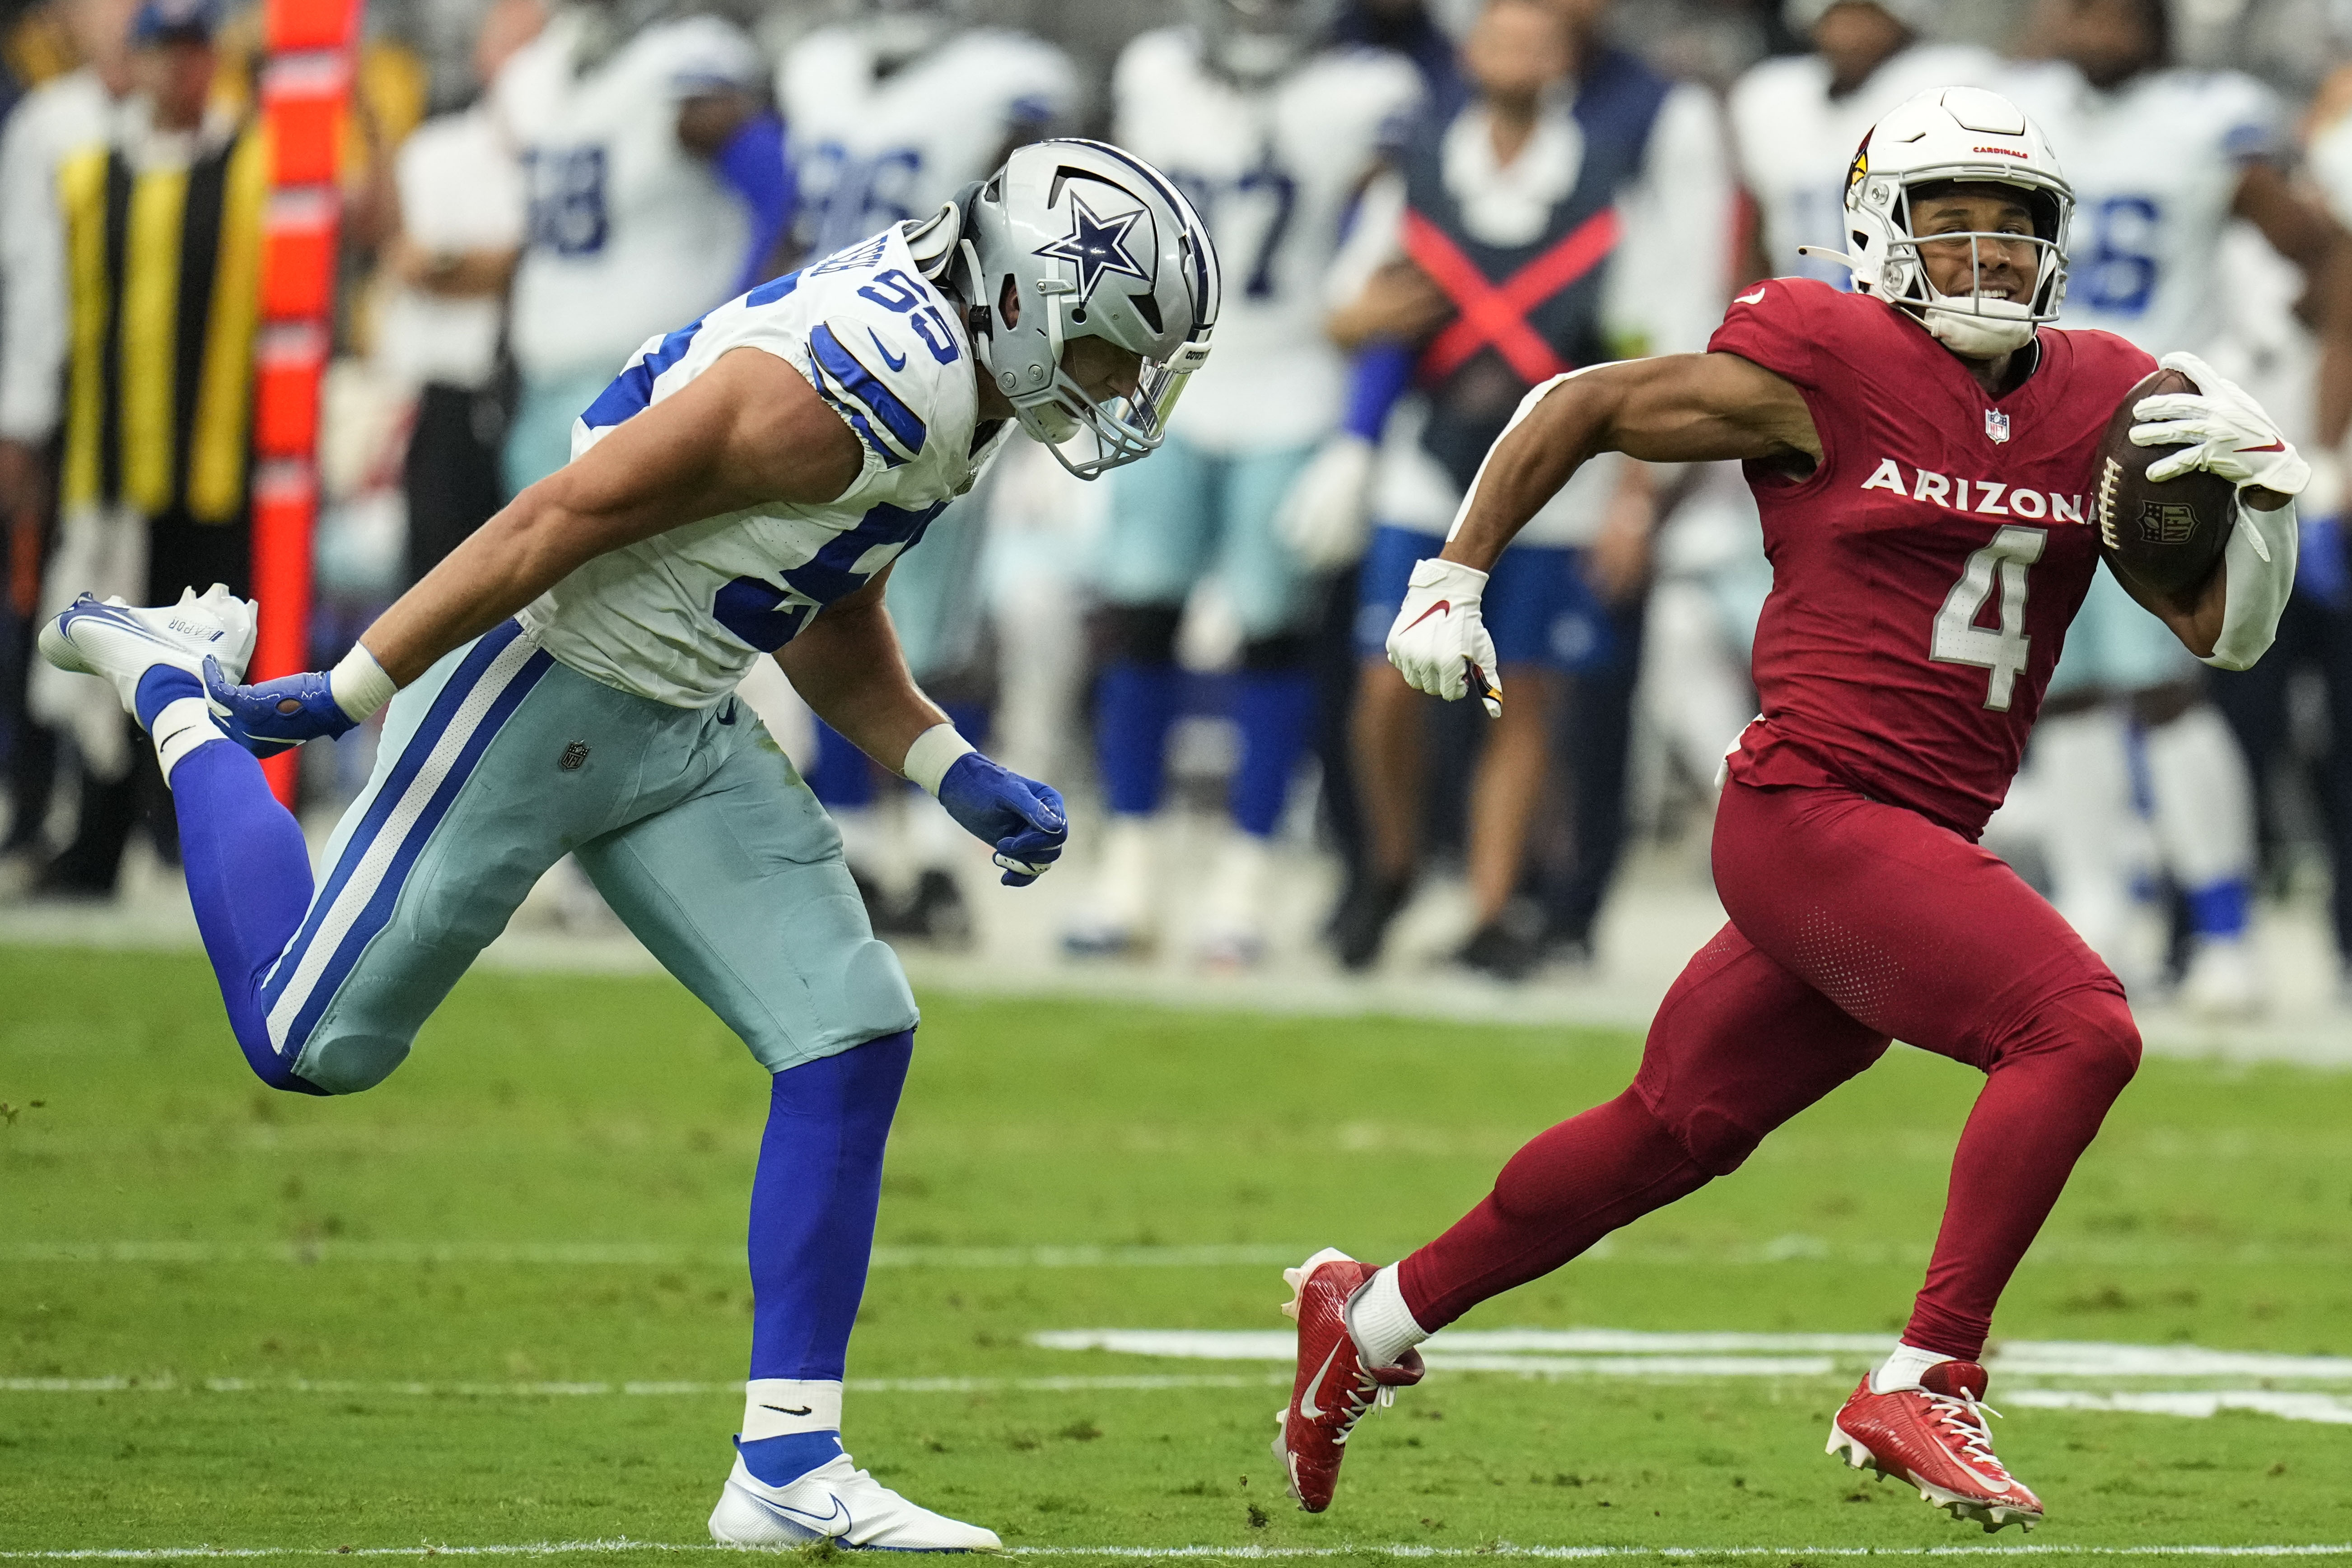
x: 182, y: 725
x: 934, y: 752
x: 359, y: 685
x: 784, y: 1407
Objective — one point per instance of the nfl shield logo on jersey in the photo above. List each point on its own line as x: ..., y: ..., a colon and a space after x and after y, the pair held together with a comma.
x: 1996, y: 426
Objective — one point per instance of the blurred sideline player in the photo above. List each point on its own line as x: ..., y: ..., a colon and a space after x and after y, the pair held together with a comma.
x: 2161, y: 159
x: 1272, y: 137
x: 1579, y: 165
x: 891, y: 113
x: 1796, y: 120
x: 58, y: 117
x: 1862, y: 908
x: 656, y: 185
x: 740, y: 488
x: 2316, y: 634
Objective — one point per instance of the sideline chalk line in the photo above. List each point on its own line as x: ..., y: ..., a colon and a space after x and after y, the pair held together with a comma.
x: 1500, y: 1549
x: 165, y: 1383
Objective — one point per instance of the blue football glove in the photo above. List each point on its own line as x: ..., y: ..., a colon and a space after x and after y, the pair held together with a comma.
x: 271, y: 716
x: 1024, y: 819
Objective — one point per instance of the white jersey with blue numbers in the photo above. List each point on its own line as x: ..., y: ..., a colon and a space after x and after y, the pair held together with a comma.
x: 2155, y: 166
x: 629, y: 233
x: 1792, y: 140
x: 678, y: 618
x: 1273, y: 172
x: 872, y: 150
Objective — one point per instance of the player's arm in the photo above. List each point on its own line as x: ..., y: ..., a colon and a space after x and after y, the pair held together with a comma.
x: 848, y: 666
x: 1676, y: 408
x: 748, y: 430
x: 2230, y: 620
x: 2303, y: 232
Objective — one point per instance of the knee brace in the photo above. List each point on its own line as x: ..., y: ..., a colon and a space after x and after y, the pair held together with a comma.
x: 1140, y: 634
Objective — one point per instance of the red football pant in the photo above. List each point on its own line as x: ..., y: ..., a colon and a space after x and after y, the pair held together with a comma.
x: 1851, y: 922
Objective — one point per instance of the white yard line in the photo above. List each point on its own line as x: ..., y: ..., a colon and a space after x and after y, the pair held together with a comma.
x: 1402, y: 1549
x: 607, y: 1254
x: 164, y: 1383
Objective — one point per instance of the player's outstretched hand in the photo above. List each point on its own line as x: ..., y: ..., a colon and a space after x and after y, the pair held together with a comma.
x: 271, y: 716
x: 1439, y: 641
x: 1022, y: 819
x: 2220, y: 429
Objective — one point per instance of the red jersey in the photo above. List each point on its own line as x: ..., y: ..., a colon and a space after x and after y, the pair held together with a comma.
x: 1924, y: 576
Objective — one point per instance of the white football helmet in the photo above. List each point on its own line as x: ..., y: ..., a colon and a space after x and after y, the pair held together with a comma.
x: 1254, y: 41
x: 1954, y: 133
x: 1080, y: 239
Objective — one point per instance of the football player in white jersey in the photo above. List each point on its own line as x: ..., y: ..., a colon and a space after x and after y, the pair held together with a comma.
x: 1796, y: 120
x: 1273, y: 138
x: 895, y: 111
x: 892, y: 112
x: 565, y: 682
x: 2162, y: 160
x: 642, y: 163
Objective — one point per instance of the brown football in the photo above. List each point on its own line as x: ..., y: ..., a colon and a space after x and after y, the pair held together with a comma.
x: 2163, y: 537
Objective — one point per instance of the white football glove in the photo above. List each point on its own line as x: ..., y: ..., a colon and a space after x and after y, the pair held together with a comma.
x: 1327, y: 514
x: 1439, y: 641
x: 2219, y: 429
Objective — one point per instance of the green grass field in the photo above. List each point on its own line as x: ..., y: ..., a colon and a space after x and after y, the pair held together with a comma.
x: 499, y: 1300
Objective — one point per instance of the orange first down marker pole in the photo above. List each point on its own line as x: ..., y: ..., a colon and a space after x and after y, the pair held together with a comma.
x: 305, y: 92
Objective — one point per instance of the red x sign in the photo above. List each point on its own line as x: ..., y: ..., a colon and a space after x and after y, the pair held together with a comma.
x: 1488, y: 314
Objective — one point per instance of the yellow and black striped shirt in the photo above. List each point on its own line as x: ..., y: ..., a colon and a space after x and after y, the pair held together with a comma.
x: 164, y: 267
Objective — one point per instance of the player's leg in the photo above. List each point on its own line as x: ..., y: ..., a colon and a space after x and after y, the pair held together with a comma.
x: 739, y: 888
x: 1738, y: 1046
x: 1919, y: 933
x: 1599, y: 645
x: 1153, y: 548
x: 1385, y: 735
x: 1272, y: 693
x: 2201, y: 805
x: 1532, y: 593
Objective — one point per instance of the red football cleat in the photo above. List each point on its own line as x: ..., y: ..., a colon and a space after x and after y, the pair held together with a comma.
x: 1934, y: 1437
x: 1334, y: 1388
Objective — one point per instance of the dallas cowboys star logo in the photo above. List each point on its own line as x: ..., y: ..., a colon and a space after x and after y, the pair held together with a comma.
x: 1096, y: 246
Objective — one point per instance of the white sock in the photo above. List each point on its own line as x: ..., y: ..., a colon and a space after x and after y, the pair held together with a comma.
x: 1901, y: 1369
x: 1379, y: 1322
x: 182, y: 725
x: 785, y: 1406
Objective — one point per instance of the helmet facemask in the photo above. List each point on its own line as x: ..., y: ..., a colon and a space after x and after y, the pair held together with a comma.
x: 1976, y: 324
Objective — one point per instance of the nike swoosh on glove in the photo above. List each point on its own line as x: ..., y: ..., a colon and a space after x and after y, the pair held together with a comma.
x: 1025, y: 820
x: 1439, y: 641
x: 2220, y: 429
x: 271, y: 716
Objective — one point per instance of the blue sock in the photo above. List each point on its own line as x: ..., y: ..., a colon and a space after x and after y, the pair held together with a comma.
x: 2220, y: 909
x: 160, y: 685
x: 1274, y: 709
x: 248, y: 875
x: 780, y: 1461
x: 841, y: 778
x: 1135, y: 705
x: 811, y: 1232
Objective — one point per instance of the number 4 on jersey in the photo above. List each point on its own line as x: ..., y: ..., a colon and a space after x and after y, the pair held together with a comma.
x: 2000, y: 566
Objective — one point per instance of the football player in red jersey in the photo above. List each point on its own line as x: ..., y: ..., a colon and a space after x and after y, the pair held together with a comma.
x: 1921, y: 452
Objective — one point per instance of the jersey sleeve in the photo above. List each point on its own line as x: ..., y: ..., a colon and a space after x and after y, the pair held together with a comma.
x: 1773, y: 326
x: 1665, y: 288
x: 2248, y: 121
x: 1040, y: 87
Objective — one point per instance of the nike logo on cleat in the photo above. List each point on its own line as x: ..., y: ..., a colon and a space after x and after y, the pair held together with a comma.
x: 815, y: 1521
x: 1307, y: 1401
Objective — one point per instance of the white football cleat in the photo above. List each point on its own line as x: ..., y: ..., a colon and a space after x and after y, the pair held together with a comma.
x: 122, y: 642
x: 839, y: 1502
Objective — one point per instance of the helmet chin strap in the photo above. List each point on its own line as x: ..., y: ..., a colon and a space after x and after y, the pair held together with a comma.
x: 1970, y: 330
